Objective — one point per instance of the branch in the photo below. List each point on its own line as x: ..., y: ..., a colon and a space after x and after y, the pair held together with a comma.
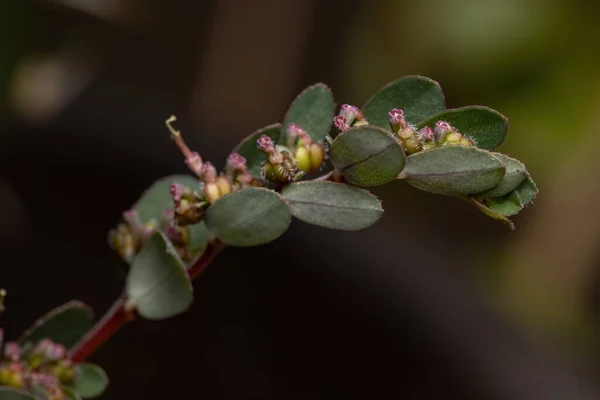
x: 119, y: 314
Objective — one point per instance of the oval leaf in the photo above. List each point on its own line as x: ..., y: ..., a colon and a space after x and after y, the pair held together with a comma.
x: 527, y: 190
x: 417, y: 96
x: 157, y: 198
x: 485, y: 126
x: 454, y: 170
x: 508, y: 205
x: 514, y: 176
x: 249, y: 217
x: 249, y: 149
x: 367, y: 156
x: 488, y: 212
x: 313, y: 110
x: 7, y: 393
x: 64, y: 325
x: 91, y: 380
x: 158, y: 284
x: 333, y: 205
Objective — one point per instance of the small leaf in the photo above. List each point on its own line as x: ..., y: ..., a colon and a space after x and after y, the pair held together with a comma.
x: 454, y: 170
x: 367, y: 156
x: 249, y: 217
x: 313, y: 110
x: 249, y: 149
x: 7, y: 393
x: 91, y: 380
x: 515, y: 174
x: 527, y: 190
x: 485, y: 126
x: 488, y: 212
x: 158, y: 284
x: 333, y: 205
x: 64, y: 325
x: 157, y: 198
x: 417, y: 96
x: 507, y: 205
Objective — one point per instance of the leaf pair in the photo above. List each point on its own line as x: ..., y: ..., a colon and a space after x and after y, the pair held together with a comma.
x: 256, y: 216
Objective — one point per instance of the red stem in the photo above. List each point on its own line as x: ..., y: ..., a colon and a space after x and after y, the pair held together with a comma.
x: 119, y: 315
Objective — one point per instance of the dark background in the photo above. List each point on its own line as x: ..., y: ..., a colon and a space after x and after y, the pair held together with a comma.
x: 435, y: 301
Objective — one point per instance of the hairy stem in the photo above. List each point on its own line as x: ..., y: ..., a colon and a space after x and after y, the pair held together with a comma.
x: 119, y: 314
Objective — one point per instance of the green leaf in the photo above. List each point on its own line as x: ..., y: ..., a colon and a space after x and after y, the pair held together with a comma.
x: 367, y: 155
x: 7, y: 393
x: 313, y: 110
x: 158, y: 284
x: 91, y: 380
x: 488, y: 212
x: 485, y: 126
x: 249, y: 217
x: 333, y: 205
x: 249, y: 149
x: 157, y: 198
x: 507, y: 205
x: 515, y: 174
x: 417, y: 96
x: 454, y: 170
x: 527, y: 190
x: 64, y: 325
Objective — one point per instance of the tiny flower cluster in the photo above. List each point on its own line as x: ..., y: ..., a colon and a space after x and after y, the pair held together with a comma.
x: 41, y: 369
x: 348, y: 117
x: 425, y: 138
x: 129, y: 236
x: 289, y: 163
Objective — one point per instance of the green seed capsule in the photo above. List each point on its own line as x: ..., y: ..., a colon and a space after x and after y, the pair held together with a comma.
x: 412, y: 145
x: 317, y: 156
x: 224, y: 185
x: 303, y: 159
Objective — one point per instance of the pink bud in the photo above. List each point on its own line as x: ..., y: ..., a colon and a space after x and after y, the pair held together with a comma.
x: 209, y: 172
x: 265, y: 144
x: 426, y: 133
x: 349, y: 113
x: 441, y: 130
x: 236, y: 161
x: 194, y: 162
x: 176, y: 190
x: 340, y: 123
x: 396, y: 119
x: 174, y: 234
x: 12, y: 350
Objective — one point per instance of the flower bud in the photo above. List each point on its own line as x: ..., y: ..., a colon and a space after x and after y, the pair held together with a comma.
x: 426, y: 134
x: 396, y: 119
x: 340, y: 123
x: 295, y: 133
x: 12, y: 351
x: 194, y: 162
x: 303, y: 159
x: 224, y: 185
x: 211, y: 191
x: 265, y: 144
x: 209, y: 172
x: 441, y: 130
x: 317, y: 156
x: 236, y: 164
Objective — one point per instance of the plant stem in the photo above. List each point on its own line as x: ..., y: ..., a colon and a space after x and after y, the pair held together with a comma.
x: 119, y: 314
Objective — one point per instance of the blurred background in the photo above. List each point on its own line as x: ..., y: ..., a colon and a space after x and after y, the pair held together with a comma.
x: 435, y: 301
